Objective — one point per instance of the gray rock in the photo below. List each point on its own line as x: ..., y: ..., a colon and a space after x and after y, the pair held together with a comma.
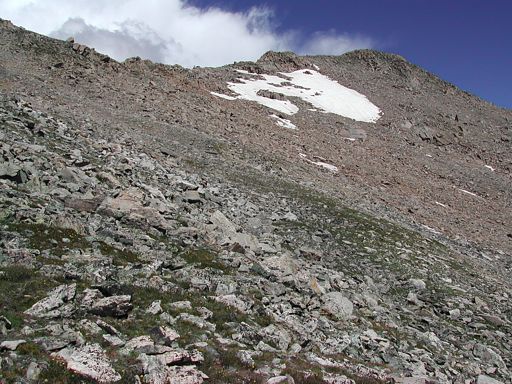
x: 483, y: 379
x: 192, y: 197
x: 418, y: 284
x: 114, y: 306
x: 123, y: 204
x: 91, y: 361
x: 5, y: 324
x: 336, y: 304
x: 49, y: 306
x: 11, y: 345
x: 276, y: 336
x: 242, y: 305
x: 155, y: 308
x: 137, y: 344
x: 13, y: 172
x: 167, y: 335
x: 222, y: 223
x: 113, y: 340
x: 33, y: 372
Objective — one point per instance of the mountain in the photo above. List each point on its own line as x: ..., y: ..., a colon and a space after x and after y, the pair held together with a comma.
x: 317, y: 219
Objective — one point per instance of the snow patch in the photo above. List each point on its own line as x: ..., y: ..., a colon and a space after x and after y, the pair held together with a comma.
x: 323, y: 93
x: 283, y: 122
x: 467, y: 192
x: 431, y: 229
x: 441, y: 204
x: 489, y: 167
x: 221, y: 95
x: 322, y: 164
x: 316, y: 67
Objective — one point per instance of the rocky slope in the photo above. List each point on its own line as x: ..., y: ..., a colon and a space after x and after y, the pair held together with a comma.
x: 153, y: 232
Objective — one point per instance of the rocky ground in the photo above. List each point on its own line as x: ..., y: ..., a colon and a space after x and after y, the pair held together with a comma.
x: 151, y: 233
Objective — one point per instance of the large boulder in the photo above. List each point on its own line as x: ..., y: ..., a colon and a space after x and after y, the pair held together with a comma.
x: 52, y: 305
x: 90, y: 361
x: 337, y: 305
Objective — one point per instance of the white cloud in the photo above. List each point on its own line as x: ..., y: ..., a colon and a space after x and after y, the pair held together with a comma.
x: 170, y: 31
x: 331, y: 43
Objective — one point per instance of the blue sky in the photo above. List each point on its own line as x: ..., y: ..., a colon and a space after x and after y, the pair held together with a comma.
x: 466, y: 42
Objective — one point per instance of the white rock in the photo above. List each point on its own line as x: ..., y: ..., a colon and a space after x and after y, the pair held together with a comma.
x: 156, y: 371
x: 114, y: 340
x: 55, y: 299
x: 139, y: 342
x: 155, y: 308
x: 89, y: 360
x: 418, y: 284
x: 33, y: 372
x: 11, y: 345
x: 281, y: 380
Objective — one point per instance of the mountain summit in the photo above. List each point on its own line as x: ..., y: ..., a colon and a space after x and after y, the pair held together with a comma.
x: 298, y: 219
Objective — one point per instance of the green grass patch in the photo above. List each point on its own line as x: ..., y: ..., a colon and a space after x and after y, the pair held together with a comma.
x: 54, y: 239
x: 20, y: 288
x: 120, y: 257
x: 204, y: 258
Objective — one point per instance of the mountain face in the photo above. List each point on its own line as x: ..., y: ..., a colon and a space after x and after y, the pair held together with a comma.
x: 323, y: 219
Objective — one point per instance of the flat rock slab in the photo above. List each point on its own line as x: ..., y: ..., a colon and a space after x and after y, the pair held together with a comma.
x: 55, y: 299
x: 11, y: 345
x: 89, y: 360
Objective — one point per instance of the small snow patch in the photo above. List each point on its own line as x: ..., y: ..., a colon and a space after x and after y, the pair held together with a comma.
x: 441, y: 204
x: 349, y: 138
x: 283, y: 122
x: 322, y: 164
x: 467, y: 192
x: 316, y: 67
x: 431, y: 229
x: 243, y: 71
x: 221, y: 95
x: 489, y: 167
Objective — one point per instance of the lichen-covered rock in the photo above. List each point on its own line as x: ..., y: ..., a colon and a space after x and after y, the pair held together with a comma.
x: 91, y: 361
x: 56, y: 299
x: 336, y: 304
x: 114, y: 306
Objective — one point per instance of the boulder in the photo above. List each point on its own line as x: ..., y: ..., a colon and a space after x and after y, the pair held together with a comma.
x: 114, y: 306
x: 90, y: 361
x: 483, y: 379
x: 166, y: 335
x: 11, y: 345
x: 336, y: 304
x: 49, y: 306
